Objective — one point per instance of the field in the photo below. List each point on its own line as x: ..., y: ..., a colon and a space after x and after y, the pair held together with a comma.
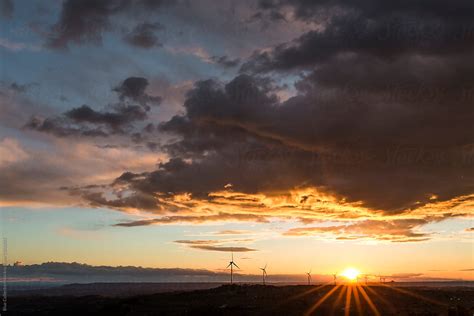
x: 372, y: 299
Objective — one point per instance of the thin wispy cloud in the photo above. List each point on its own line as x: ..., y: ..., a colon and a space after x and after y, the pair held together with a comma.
x: 224, y: 245
x: 17, y: 46
x: 222, y: 248
x: 233, y: 232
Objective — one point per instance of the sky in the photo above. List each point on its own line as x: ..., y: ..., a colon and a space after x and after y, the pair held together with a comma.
x: 306, y: 135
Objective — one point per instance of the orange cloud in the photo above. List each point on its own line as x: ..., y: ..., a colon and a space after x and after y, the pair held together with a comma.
x: 306, y: 206
x: 232, y: 232
x: 386, y: 230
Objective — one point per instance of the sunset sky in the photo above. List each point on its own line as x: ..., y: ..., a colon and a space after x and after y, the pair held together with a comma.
x: 303, y: 134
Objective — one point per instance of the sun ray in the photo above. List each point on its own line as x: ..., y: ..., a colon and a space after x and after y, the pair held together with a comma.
x: 347, y: 309
x: 337, y: 302
x: 357, y: 301
x: 415, y: 295
x: 382, y: 299
x: 368, y: 300
x: 322, y: 299
x: 300, y: 295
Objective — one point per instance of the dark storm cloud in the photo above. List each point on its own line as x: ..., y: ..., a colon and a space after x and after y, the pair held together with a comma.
x: 311, y: 10
x: 118, y: 118
x: 84, y: 21
x: 357, y: 150
x: 396, y: 80
x: 366, y: 27
x: 144, y: 35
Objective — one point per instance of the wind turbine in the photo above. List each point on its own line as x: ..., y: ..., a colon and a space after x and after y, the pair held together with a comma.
x: 381, y: 278
x: 309, y: 277
x: 366, y: 277
x: 231, y: 265
x: 264, y: 273
x: 334, y: 276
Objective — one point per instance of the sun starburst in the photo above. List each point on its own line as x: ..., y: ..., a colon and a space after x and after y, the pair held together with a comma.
x: 351, y: 274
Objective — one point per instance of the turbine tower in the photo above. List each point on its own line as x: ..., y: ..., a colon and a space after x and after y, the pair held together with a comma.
x: 334, y: 276
x: 231, y: 265
x: 309, y: 277
x: 264, y: 273
x: 381, y: 278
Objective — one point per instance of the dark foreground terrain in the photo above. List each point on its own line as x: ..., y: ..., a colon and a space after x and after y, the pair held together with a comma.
x: 125, y: 289
x: 260, y: 300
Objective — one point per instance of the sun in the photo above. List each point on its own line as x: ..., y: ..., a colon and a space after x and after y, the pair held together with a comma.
x: 350, y: 273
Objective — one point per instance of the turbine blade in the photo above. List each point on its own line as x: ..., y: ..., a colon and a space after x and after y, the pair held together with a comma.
x: 228, y: 265
x: 236, y: 265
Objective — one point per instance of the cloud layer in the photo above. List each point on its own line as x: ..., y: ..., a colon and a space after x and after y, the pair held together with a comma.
x: 361, y: 115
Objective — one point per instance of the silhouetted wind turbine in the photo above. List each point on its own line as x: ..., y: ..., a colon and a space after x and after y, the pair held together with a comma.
x: 381, y: 278
x: 309, y: 277
x: 264, y: 273
x: 231, y: 265
x: 334, y: 276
